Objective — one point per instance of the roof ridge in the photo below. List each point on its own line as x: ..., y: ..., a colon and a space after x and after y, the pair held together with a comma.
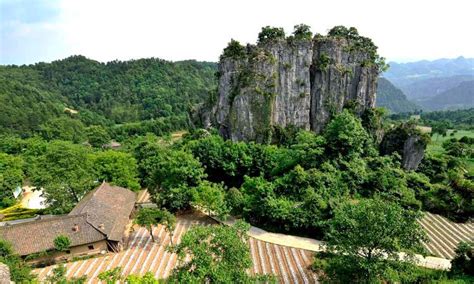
x: 41, y: 220
x: 93, y: 226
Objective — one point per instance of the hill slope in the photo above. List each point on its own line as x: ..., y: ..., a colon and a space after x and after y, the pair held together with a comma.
x: 116, y: 92
x: 392, y: 98
x: 458, y: 97
x: 433, y: 86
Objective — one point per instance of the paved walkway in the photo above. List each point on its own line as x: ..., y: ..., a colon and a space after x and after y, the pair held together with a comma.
x: 316, y: 245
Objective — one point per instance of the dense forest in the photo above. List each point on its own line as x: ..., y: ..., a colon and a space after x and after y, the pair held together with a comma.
x: 393, y: 99
x: 297, y: 185
x: 138, y: 96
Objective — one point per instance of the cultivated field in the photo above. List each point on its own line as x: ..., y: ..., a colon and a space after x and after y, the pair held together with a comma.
x: 289, y: 264
x: 142, y: 255
x: 444, y: 235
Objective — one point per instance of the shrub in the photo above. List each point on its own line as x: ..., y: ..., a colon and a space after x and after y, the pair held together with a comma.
x: 270, y: 34
x: 234, y: 50
x: 302, y: 31
x: 62, y: 243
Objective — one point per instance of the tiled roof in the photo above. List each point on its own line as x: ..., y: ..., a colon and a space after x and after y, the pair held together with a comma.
x: 108, y: 209
x: 38, y: 236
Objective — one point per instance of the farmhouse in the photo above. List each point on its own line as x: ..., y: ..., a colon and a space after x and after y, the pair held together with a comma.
x: 95, y: 225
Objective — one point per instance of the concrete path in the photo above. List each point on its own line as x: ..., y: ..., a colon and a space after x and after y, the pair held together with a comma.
x: 316, y: 245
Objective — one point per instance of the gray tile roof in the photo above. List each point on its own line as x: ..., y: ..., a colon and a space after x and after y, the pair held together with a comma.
x: 101, y: 215
x: 108, y: 209
x: 39, y: 235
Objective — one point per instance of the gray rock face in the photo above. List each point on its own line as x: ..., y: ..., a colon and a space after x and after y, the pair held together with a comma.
x: 343, y: 80
x: 298, y: 83
x: 413, y: 153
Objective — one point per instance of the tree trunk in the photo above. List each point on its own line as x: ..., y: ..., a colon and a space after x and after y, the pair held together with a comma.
x: 171, y: 236
x: 76, y: 198
x: 151, y: 234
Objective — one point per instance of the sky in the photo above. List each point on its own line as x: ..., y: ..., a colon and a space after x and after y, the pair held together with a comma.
x: 404, y: 30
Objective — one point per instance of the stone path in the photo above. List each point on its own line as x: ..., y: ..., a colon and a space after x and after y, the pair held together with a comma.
x: 316, y: 245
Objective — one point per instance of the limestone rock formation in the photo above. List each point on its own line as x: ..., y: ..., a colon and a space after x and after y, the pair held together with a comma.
x: 413, y: 152
x: 408, y: 141
x: 296, y: 81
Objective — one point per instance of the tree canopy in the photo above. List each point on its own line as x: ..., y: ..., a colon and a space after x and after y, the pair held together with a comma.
x: 365, y: 240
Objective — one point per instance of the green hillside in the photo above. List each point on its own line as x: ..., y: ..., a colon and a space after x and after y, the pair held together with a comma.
x: 116, y: 92
x: 392, y: 98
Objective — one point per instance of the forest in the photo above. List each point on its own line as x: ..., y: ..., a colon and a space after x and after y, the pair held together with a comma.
x: 129, y: 97
x: 296, y: 185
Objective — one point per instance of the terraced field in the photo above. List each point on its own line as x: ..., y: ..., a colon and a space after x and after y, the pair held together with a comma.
x: 289, y: 264
x: 143, y: 255
x: 444, y: 235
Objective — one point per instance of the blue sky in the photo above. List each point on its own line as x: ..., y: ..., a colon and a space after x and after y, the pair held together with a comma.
x: 104, y: 30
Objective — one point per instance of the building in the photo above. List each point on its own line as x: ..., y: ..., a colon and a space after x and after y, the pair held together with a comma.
x: 95, y: 225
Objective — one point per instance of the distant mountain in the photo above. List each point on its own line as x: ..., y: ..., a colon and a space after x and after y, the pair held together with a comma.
x: 392, y: 98
x: 403, y: 74
x: 459, y: 97
x: 433, y: 86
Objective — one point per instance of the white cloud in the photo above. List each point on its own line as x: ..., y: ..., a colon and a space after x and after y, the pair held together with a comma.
x: 178, y: 29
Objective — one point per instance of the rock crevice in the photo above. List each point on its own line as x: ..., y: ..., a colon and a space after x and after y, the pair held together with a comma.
x: 299, y: 83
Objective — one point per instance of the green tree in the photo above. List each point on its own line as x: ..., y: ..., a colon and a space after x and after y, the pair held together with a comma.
x: 365, y: 240
x: 345, y: 135
x: 388, y: 180
x: 210, y: 197
x: 97, y: 136
x: 172, y: 173
x: 219, y: 254
x: 11, y: 176
x: 66, y: 174
x: 234, y: 50
x: 111, y: 276
x: 270, y: 34
x: 20, y: 271
x: 147, y: 278
x: 308, y: 149
x: 59, y: 276
x: 302, y: 31
x: 463, y: 261
x: 440, y: 128
x: 168, y: 220
x: 173, y: 168
x: 64, y: 128
x: 116, y: 167
x: 149, y: 218
x: 62, y: 243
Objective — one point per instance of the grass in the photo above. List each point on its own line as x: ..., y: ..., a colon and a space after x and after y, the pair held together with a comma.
x: 16, y: 212
x: 437, y: 140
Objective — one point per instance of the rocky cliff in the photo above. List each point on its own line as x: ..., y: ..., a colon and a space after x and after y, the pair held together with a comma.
x: 296, y: 81
x: 408, y: 141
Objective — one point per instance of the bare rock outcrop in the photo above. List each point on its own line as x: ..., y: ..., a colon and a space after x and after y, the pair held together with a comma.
x: 295, y: 81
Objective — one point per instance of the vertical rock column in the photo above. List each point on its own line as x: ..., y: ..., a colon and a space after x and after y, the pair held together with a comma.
x: 339, y: 77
